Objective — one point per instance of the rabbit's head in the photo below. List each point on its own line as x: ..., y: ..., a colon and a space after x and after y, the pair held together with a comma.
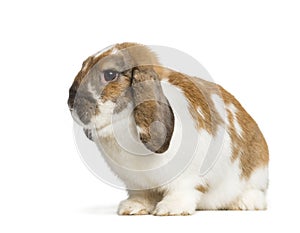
x: 110, y: 81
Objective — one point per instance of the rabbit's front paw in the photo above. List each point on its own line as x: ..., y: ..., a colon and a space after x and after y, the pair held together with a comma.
x: 133, y: 207
x: 173, y: 207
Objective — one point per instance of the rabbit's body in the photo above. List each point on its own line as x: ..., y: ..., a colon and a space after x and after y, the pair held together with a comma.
x: 227, y: 169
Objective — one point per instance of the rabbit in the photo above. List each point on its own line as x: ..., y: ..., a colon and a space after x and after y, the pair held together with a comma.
x: 121, y: 91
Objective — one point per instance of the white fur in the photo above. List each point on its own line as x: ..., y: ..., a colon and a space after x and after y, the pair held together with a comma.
x: 106, y: 110
x: 139, y: 130
x: 237, y: 126
x: 253, y: 199
x: 254, y: 195
x: 200, y: 112
x: 257, y: 179
x: 220, y: 106
x: 114, y: 51
x: 171, y: 206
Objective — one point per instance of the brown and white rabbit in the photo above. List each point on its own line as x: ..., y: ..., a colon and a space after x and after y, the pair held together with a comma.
x: 122, y: 91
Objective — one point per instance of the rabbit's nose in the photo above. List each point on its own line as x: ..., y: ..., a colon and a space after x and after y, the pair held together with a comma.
x: 85, y: 109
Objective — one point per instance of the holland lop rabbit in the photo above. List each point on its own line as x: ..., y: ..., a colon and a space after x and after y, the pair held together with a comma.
x: 120, y: 99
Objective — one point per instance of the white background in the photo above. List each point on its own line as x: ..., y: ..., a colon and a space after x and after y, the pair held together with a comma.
x: 252, y: 48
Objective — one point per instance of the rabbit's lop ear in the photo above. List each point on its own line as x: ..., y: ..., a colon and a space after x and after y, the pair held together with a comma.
x: 152, y: 113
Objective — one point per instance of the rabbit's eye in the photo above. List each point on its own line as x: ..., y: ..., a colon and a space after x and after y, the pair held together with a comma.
x: 110, y: 75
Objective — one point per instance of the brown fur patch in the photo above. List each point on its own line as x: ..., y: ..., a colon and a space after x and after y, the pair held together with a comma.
x: 138, y: 55
x: 251, y: 148
x: 202, y: 188
x: 115, y: 89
